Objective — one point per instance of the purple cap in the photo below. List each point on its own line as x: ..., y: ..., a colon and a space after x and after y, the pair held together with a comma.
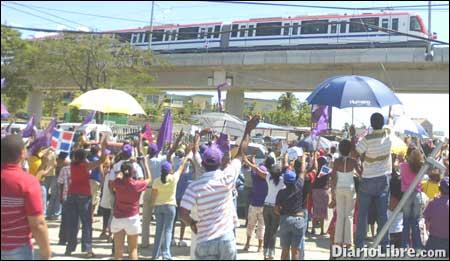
x: 289, y: 176
x: 152, y: 148
x: 444, y: 185
x: 262, y: 167
x: 127, y: 149
x: 212, y: 156
x: 166, y: 166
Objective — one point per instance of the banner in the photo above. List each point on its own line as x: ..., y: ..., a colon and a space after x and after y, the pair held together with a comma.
x: 62, y: 140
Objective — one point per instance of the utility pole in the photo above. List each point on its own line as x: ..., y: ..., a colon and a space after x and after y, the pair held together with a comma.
x: 151, y: 28
x: 429, y: 54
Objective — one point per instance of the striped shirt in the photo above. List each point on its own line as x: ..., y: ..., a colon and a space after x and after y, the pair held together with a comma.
x: 377, y: 149
x: 212, y: 195
x: 20, y: 198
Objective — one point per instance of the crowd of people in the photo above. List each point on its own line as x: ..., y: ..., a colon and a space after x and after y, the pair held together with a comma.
x: 360, y: 180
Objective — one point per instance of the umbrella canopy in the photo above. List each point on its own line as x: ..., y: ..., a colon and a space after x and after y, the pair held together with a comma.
x: 407, y: 126
x: 352, y: 91
x: 294, y: 152
x: 222, y: 122
x: 398, y: 146
x: 108, y: 101
x: 310, y: 144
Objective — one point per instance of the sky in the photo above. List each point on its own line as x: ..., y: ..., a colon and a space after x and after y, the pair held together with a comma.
x: 132, y: 14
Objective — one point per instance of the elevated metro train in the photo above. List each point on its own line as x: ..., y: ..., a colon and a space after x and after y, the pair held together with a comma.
x: 302, y: 32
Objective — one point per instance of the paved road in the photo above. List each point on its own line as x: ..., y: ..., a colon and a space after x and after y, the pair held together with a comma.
x: 316, y: 246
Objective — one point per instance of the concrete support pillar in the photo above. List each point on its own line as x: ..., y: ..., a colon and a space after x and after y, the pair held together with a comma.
x: 234, y: 103
x: 35, y: 103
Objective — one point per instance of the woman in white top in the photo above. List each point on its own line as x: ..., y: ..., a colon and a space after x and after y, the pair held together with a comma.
x: 343, y: 193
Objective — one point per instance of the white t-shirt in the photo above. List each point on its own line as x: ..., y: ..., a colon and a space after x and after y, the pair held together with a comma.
x: 118, y: 165
x: 273, y: 189
x: 107, y: 196
x: 397, y: 225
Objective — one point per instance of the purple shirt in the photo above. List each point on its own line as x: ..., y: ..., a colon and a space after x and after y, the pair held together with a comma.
x: 259, y: 190
x: 436, y: 214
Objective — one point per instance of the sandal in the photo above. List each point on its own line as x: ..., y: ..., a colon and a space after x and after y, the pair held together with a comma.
x: 90, y: 255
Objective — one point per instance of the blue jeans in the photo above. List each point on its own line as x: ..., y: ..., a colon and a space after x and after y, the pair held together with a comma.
x: 222, y: 248
x: 78, y: 207
x: 376, y: 189
x: 24, y: 252
x: 54, y: 205
x: 291, y: 231
x: 302, y: 244
x: 411, y: 216
x: 165, y: 215
x: 44, y: 199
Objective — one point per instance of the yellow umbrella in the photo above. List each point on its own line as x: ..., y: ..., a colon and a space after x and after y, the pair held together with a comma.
x: 108, y: 101
x: 398, y: 146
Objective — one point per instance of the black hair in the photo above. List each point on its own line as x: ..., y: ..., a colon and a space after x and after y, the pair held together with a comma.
x: 321, y: 162
x: 127, y: 169
x: 12, y: 147
x: 333, y: 149
x: 269, y: 162
x: 94, y: 150
x: 164, y: 174
x: 62, y: 155
x: 345, y: 147
x: 377, y: 121
x: 209, y: 168
x: 79, y: 156
x: 275, y: 174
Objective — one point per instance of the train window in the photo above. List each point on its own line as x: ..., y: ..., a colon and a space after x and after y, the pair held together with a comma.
x: 343, y: 28
x: 315, y: 27
x: 265, y: 29
x: 188, y: 33
x: 144, y: 37
x: 210, y: 35
x: 242, y: 31
x: 295, y: 29
x: 286, y: 29
x: 251, y: 29
x: 202, y: 33
x: 361, y: 24
x: 216, y: 31
x: 333, y: 29
x: 234, y: 30
x: 133, y: 38
x: 395, y: 24
x: 125, y: 37
x: 414, y: 24
x: 158, y: 35
x: 174, y: 35
x: 385, y: 23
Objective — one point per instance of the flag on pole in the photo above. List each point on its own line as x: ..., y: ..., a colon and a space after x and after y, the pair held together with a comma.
x: 4, y: 111
x: 29, y: 129
x: 223, y: 143
x: 43, y: 139
x: 165, y: 132
x: 319, y: 119
x: 62, y: 140
x: 88, y: 118
x: 148, y: 135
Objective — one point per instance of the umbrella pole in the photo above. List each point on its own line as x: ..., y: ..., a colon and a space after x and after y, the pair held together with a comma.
x: 353, y: 112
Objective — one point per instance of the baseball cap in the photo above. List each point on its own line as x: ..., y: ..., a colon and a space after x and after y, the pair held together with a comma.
x: 212, y: 156
x: 444, y: 185
x: 202, y: 148
x: 152, y: 148
x: 166, y: 166
x: 127, y: 149
x: 289, y: 176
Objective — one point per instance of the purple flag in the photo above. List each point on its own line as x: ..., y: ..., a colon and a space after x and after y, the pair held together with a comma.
x: 223, y: 143
x: 220, y: 88
x: 5, y: 113
x: 29, y: 129
x: 165, y: 132
x: 88, y: 118
x: 319, y: 119
x: 148, y: 135
x: 44, y: 138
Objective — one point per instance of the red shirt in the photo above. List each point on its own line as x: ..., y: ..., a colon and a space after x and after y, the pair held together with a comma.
x: 128, y: 192
x: 79, y: 184
x: 21, y: 198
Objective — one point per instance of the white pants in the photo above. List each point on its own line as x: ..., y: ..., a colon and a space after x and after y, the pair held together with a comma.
x: 345, y: 204
x: 255, y: 216
x: 131, y: 225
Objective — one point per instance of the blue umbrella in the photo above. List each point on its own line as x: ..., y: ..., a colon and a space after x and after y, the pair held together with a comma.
x: 409, y: 127
x: 353, y: 91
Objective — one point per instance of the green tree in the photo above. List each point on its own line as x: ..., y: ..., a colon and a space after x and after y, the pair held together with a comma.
x: 287, y: 102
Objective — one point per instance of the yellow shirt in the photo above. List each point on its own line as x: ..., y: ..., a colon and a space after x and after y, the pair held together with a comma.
x: 34, y: 163
x: 167, y: 191
x: 430, y: 188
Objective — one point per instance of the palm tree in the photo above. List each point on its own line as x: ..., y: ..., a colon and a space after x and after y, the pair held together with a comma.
x: 287, y: 102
